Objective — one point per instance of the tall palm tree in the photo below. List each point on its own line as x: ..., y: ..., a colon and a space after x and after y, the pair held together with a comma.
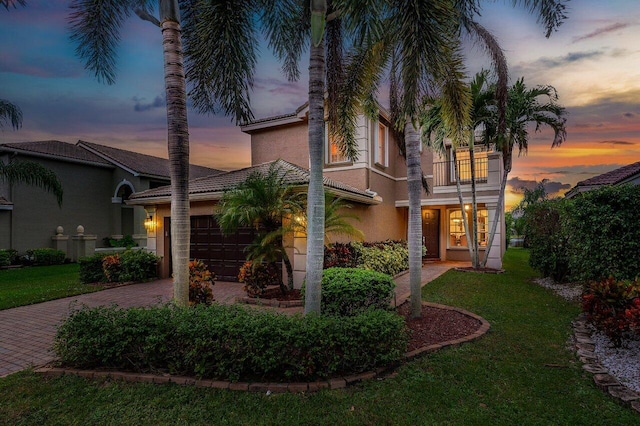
x: 434, y: 132
x: 220, y: 57
x: 525, y: 108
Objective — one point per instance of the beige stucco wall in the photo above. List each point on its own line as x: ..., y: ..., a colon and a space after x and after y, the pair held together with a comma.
x: 287, y: 142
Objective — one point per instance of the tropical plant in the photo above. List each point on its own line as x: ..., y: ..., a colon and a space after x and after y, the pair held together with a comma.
x: 219, y: 57
x: 10, y: 114
x: 31, y: 173
x: 263, y: 201
x: 435, y: 132
x: 523, y: 109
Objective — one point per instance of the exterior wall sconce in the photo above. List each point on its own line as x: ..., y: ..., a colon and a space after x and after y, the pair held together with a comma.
x: 150, y: 223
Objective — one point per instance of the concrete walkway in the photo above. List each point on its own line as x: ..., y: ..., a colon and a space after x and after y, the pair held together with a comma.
x: 26, y: 333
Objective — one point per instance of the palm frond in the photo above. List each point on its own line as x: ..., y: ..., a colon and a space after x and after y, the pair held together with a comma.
x: 95, y: 29
x: 286, y: 24
x: 10, y: 114
x: 551, y: 13
x: 14, y: 3
x: 220, y: 57
x: 31, y: 173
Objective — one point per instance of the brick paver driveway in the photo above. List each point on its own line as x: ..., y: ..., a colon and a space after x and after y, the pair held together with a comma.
x: 26, y: 333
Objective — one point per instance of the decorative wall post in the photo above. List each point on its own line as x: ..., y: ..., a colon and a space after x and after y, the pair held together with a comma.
x: 82, y: 245
x: 60, y: 241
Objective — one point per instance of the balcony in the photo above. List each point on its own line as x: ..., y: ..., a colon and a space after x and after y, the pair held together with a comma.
x: 444, y: 172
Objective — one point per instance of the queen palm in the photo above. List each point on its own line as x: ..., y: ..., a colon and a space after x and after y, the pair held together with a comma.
x: 220, y: 57
x: 524, y: 109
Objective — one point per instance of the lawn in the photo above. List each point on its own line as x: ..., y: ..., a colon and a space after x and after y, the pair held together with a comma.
x: 37, y: 284
x: 520, y: 373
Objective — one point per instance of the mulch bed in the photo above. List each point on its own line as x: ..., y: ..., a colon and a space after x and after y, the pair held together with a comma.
x: 274, y: 293
x: 479, y: 270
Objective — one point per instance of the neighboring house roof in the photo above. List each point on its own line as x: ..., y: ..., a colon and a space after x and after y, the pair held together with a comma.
x: 55, y: 150
x: 614, y: 177
x: 212, y: 187
x: 104, y: 156
x: 141, y: 164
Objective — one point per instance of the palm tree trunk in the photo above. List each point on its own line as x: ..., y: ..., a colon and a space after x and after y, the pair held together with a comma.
x: 315, y: 195
x: 499, y: 209
x: 178, y: 141
x: 474, y: 204
x: 289, y: 268
x: 414, y: 234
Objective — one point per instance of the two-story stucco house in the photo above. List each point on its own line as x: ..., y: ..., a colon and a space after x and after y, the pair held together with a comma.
x: 375, y: 185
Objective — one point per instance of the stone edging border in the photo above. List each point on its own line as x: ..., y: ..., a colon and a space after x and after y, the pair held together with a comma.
x: 295, y: 387
x: 270, y: 302
x: 585, y: 349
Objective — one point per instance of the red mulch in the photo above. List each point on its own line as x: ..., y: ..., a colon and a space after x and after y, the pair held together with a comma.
x: 435, y: 326
x: 276, y: 293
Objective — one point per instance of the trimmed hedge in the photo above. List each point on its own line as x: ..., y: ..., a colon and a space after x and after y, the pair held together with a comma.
x: 350, y: 291
x: 388, y: 257
x: 130, y: 265
x: 229, y: 342
x: 586, y: 238
x: 46, y: 256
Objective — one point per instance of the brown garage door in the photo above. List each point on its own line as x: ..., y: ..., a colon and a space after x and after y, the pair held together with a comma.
x: 224, y: 254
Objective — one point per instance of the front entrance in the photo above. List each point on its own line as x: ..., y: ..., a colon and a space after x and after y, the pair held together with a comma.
x: 431, y: 233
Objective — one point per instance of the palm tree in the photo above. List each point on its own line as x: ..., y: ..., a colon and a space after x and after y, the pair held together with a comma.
x: 434, y: 132
x: 219, y: 56
x: 14, y: 3
x: 263, y: 201
x: 31, y: 173
x: 10, y: 113
x: 525, y: 108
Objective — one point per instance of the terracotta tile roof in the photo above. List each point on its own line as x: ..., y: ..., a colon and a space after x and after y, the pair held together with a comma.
x: 141, y: 163
x: 55, y: 149
x: 213, y: 186
x: 613, y: 177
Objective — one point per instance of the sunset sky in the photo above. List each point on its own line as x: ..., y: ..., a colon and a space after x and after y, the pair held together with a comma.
x: 593, y: 61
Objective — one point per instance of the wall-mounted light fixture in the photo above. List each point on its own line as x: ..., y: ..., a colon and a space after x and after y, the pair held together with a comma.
x: 150, y: 222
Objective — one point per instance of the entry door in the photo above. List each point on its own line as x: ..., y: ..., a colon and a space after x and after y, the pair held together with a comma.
x: 430, y: 233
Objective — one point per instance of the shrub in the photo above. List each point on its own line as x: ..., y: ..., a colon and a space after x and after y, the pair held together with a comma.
x: 350, y: 291
x: 605, y: 234
x: 388, y: 257
x: 46, y: 256
x: 200, y: 283
x: 340, y: 255
x: 548, y: 238
x: 613, y: 307
x: 91, y: 268
x: 5, y: 258
x: 138, y: 265
x: 229, y: 342
x: 126, y: 241
x: 111, y: 268
x: 257, y: 276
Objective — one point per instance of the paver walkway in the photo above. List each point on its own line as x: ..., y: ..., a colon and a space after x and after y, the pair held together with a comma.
x: 26, y: 333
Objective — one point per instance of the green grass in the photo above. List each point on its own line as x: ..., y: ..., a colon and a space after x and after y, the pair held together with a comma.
x: 520, y: 373
x: 37, y: 284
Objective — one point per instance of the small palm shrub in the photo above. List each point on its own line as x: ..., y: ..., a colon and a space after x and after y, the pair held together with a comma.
x: 200, y: 283
x: 613, y: 307
x: 258, y: 276
x: 350, y: 291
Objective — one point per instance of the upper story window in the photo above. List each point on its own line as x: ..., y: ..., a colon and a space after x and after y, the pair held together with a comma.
x: 464, y: 165
x: 381, y: 144
x: 333, y: 153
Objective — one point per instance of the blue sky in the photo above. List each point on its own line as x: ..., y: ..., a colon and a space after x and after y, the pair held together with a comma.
x: 593, y: 61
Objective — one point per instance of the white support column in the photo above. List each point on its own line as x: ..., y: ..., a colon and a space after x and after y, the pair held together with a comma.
x: 495, y: 255
x: 151, y: 225
x: 299, y: 259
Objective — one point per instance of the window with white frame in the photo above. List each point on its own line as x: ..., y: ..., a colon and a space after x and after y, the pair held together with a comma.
x: 381, y: 144
x: 457, y: 236
x: 333, y: 152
